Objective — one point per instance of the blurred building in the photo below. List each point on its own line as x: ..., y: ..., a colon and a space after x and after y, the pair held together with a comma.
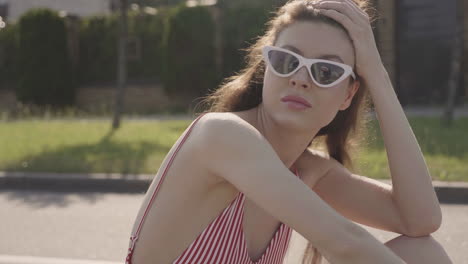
x: 11, y: 10
x: 415, y: 40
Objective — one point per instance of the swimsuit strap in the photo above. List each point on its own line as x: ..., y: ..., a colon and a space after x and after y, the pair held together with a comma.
x: 134, y: 237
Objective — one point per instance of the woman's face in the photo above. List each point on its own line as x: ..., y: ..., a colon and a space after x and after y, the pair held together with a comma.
x: 311, y: 40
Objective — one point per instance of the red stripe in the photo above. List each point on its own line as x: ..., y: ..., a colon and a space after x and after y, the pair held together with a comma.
x: 244, y: 256
x: 132, y: 247
x: 230, y: 236
x: 272, y: 258
x: 235, y: 255
x: 281, y: 247
x: 271, y: 247
x: 230, y: 256
x: 225, y: 237
x: 208, y: 244
x: 218, y: 238
x: 164, y: 174
x: 223, y: 240
x: 207, y: 235
x: 267, y: 258
x: 278, y: 250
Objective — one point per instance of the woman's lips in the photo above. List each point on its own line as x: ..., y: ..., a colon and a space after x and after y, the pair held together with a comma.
x: 295, y: 105
x: 296, y: 102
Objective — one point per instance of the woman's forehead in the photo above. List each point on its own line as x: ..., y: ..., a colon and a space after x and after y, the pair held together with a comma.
x: 315, y: 39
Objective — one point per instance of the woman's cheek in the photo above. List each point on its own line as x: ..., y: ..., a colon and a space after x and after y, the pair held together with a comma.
x: 272, y: 88
x: 331, y: 111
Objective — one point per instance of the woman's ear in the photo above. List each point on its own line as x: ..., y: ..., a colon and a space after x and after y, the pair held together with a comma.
x: 354, y: 87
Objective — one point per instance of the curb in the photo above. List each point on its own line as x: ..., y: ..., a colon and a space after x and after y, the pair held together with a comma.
x: 76, y: 182
x: 9, y: 259
x: 447, y: 192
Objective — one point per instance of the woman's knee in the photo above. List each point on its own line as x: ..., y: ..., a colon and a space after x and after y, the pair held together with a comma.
x: 417, y: 250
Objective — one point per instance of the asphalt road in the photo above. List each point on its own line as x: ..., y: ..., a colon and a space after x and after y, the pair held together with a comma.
x: 96, y: 226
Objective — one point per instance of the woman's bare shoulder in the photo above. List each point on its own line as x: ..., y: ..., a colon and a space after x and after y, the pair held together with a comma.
x: 234, y: 118
x: 313, y: 164
x: 222, y: 132
x: 225, y: 122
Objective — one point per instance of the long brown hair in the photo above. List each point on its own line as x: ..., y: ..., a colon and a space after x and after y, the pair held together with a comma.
x: 243, y: 91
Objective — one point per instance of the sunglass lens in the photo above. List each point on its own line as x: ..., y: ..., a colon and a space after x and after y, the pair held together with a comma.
x: 283, y: 62
x: 326, y: 73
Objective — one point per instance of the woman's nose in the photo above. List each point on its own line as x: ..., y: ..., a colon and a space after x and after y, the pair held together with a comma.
x: 301, y: 78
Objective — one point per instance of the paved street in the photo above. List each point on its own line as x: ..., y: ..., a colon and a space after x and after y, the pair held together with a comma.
x: 96, y: 226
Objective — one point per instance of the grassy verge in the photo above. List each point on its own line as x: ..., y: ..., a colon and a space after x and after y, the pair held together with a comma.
x: 445, y: 149
x: 140, y: 147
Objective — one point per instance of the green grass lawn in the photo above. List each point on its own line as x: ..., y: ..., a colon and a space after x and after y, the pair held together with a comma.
x: 140, y: 147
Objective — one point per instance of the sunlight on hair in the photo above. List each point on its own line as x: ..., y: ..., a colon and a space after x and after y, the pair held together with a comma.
x: 150, y: 10
x: 193, y: 3
x: 135, y: 7
x: 62, y: 13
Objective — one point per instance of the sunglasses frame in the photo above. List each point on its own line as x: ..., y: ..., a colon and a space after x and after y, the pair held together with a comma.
x: 348, y: 70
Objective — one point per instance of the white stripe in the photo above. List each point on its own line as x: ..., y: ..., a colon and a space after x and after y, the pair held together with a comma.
x: 11, y: 259
x: 225, y: 224
x: 207, y: 234
x: 231, y: 235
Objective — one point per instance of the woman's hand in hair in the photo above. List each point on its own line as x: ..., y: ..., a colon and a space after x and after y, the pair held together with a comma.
x: 356, y: 22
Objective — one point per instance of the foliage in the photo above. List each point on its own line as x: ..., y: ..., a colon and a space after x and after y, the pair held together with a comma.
x: 43, y: 62
x: 8, y: 54
x: 241, y: 24
x: 148, y: 31
x: 188, y: 63
x: 98, y: 48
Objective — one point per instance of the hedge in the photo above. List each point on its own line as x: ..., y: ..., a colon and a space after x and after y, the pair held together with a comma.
x: 148, y: 30
x: 188, y: 60
x: 241, y: 24
x: 44, y: 68
x: 176, y: 47
x: 8, y: 55
x: 98, y: 48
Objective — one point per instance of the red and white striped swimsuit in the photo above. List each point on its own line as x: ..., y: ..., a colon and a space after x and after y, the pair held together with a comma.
x: 223, y: 240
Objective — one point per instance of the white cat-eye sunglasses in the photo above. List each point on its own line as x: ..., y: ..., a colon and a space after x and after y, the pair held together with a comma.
x: 324, y: 73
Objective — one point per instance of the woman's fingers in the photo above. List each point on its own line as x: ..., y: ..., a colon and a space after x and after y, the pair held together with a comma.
x: 358, y: 9
x: 344, y: 12
x: 356, y: 22
x: 339, y: 17
x: 346, y: 7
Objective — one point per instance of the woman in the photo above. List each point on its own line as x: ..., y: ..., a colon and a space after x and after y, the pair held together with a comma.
x: 244, y: 177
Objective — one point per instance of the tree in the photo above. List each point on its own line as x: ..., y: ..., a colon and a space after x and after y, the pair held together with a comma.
x: 455, y: 66
x: 44, y: 68
x: 122, y: 50
x: 122, y: 64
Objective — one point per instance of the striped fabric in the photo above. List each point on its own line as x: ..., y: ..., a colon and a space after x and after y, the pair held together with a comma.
x: 223, y: 240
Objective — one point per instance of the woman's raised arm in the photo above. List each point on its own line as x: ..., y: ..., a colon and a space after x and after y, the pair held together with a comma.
x: 237, y: 152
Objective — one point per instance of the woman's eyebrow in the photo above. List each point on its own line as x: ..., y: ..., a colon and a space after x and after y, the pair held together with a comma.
x: 325, y: 56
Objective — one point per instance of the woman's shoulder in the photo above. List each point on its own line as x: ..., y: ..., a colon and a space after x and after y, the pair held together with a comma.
x: 224, y: 130
x: 313, y: 164
x: 234, y: 118
x: 223, y: 124
x: 314, y: 156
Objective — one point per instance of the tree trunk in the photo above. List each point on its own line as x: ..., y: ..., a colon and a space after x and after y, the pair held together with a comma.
x: 122, y: 65
x: 454, y: 72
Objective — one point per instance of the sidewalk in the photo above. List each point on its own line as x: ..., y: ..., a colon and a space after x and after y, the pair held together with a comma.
x: 9, y: 259
x: 447, y: 192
